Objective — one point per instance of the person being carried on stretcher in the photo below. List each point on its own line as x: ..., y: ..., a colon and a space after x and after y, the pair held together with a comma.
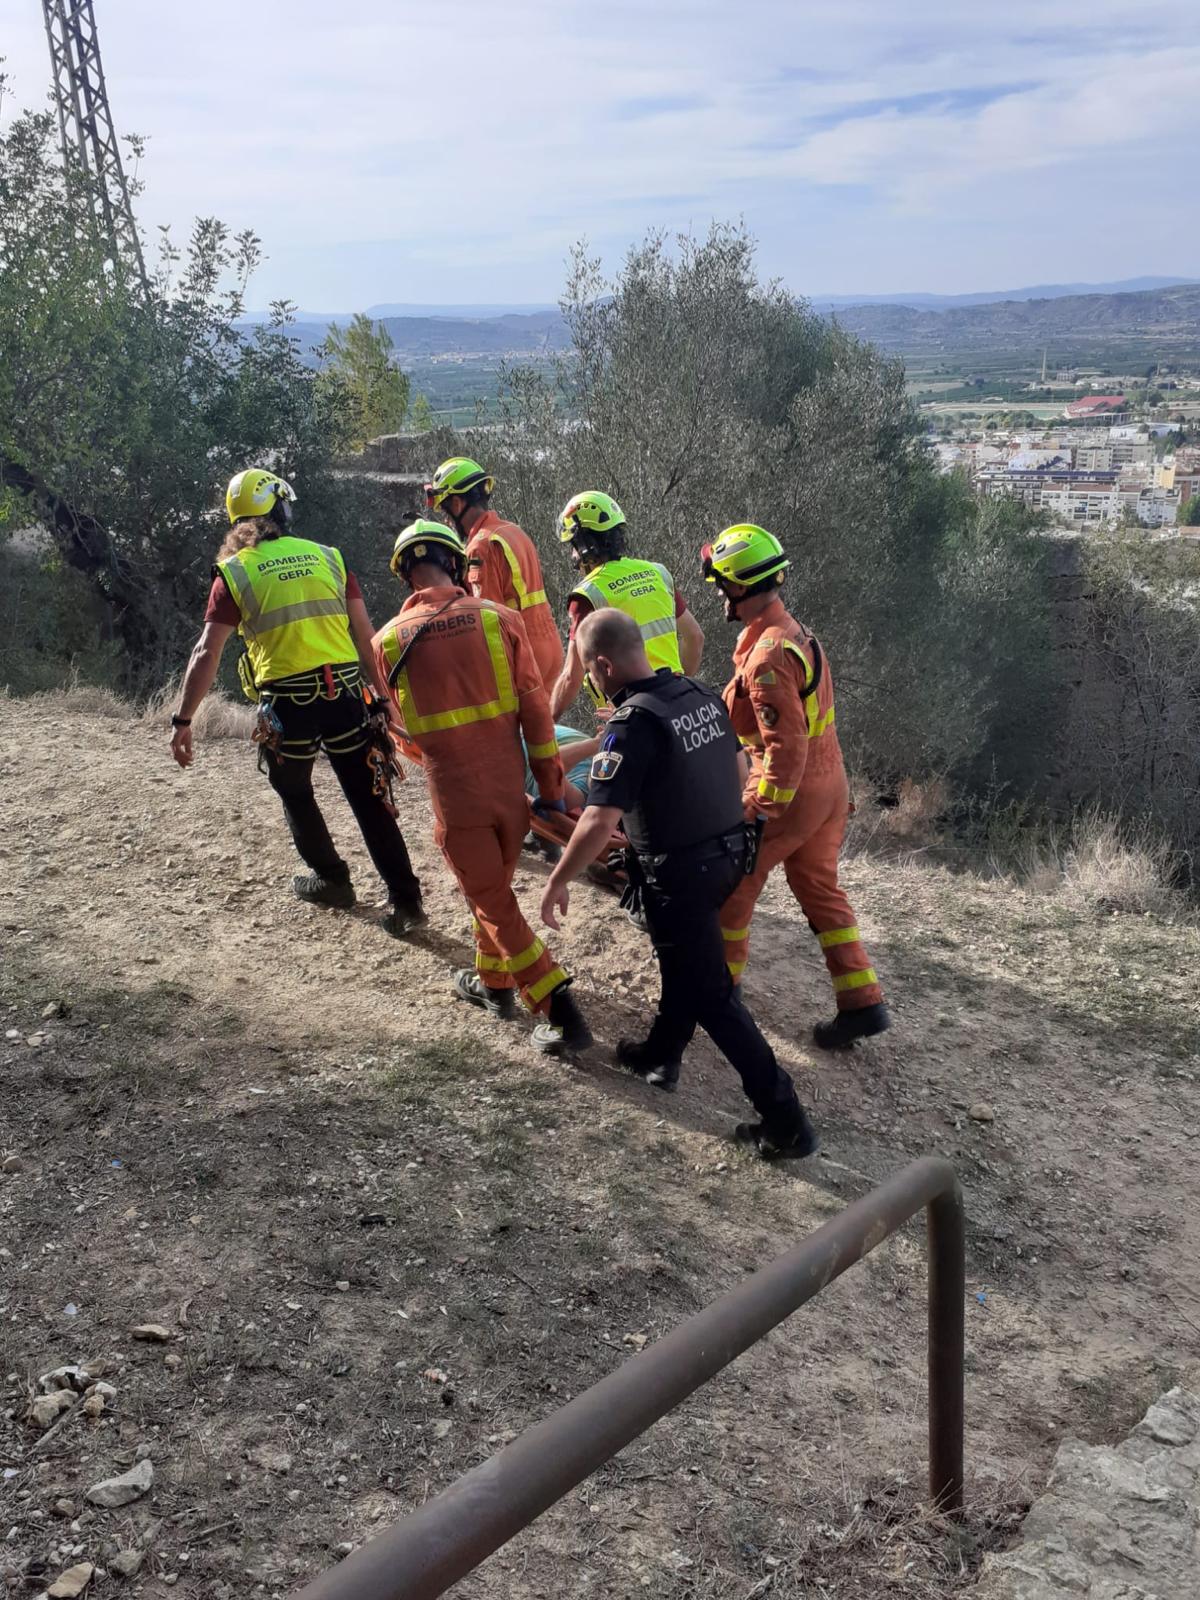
x: 577, y: 750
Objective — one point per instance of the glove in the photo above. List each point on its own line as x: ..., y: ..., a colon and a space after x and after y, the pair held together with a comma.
x: 542, y: 806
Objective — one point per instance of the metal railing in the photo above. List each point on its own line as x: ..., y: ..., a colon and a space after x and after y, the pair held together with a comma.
x: 448, y: 1537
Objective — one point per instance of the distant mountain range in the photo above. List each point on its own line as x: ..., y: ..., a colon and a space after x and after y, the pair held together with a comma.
x: 946, y: 302
x: 1166, y: 310
x: 1149, y: 314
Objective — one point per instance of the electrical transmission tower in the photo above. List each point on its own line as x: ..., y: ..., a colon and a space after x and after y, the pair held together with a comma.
x: 89, y: 140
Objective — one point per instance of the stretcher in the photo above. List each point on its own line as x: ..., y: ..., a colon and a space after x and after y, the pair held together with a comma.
x: 550, y: 831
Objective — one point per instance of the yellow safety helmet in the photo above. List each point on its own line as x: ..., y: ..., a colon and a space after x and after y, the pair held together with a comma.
x: 747, y: 555
x: 459, y: 475
x: 591, y: 511
x: 424, y: 540
x: 256, y: 493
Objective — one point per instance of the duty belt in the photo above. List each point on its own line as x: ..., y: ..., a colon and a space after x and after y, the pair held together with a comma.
x: 734, y: 845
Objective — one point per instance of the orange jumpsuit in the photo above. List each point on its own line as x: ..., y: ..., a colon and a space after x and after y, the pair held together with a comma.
x: 503, y: 565
x: 798, y: 782
x: 468, y: 689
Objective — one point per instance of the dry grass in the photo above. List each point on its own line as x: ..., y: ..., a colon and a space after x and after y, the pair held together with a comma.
x: 219, y: 717
x: 1095, y: 863
x: 1092, y: 862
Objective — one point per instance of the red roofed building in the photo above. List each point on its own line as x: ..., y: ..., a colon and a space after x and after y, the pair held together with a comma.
x: 1094, y: 404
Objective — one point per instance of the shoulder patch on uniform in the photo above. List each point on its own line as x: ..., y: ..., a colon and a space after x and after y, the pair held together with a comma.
x: 605, y: 764
x: 621, y: 714
x: 768, y: 716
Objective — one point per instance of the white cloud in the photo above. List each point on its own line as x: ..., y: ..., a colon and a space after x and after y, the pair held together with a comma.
x: 482, y: 139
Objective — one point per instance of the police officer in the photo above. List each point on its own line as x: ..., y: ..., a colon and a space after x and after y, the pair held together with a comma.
x: 669, y: 767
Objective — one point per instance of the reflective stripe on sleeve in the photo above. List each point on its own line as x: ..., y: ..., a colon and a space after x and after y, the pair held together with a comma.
x: 543, y: 752
x: 774, y: 796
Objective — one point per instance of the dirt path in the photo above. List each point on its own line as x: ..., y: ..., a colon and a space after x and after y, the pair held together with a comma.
x: 272, y: 1130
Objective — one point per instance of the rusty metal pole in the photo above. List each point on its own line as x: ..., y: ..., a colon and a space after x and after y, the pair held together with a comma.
x: 448, y: 1537
x: 946, y: 1230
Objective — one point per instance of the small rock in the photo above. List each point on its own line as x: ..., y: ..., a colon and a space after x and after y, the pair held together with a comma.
x: 93, y: 1406
x: 13, y: 1164
x: 64, y: 1508
x: 104, y: 1390
x: 271, y: 1459
x: 636, y: 1341
x: 131, y: 1485
x: 35, y: 1039
x: 56, y: 1008
x: 70, y: 1377
x: 153, y: 1333
x: 72, y: 1583
x: 342, y: 1286
x: 127, y: 1562
x: 173, y: 1360
x: 47, y: 1408
x: 981, y: 1112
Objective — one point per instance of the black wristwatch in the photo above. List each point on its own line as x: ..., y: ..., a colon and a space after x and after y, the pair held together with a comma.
x: 181, y: 722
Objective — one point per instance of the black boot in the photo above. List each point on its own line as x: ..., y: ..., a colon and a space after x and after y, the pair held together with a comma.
x: 565, y: 1028
x: 470, y: 986
x: 786, y: 1143
x: 648, y: 1064
x: 400, y: 920
x: 848, y: 1026
x: 319, y: 891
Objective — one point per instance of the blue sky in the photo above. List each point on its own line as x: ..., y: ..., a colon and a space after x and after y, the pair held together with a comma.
x: 394, y: 151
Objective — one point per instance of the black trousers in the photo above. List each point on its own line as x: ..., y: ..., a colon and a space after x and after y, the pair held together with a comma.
x: 685, y: 929
x: 339, y: 727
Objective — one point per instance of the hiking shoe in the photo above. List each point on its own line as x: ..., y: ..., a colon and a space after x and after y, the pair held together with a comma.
x: 848, y: 1026
x: 400, y: 920
x: 469, y: 986
x: 319, y: 891
x: 564, y: 1027
x: 791, y: 1144
x: 648, y: 1065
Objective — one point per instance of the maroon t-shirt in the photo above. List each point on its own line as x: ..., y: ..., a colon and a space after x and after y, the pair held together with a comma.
x: 223, y: 608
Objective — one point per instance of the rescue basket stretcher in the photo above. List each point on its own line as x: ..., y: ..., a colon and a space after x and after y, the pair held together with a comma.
x: 552, y: 830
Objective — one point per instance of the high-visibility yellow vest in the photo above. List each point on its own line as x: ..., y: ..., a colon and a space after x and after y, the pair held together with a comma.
x: 644, y: 591
x: 292, y: 597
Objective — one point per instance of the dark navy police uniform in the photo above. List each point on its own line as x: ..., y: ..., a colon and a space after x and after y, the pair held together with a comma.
x: 669, y: 761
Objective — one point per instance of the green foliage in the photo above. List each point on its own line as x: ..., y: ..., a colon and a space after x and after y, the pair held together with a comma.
x: 422, y: 414
x: 1135, y: 737
x: 700, y: 397
x: 123, y: 411
x: 357, y: 368
x: 1189, y: 513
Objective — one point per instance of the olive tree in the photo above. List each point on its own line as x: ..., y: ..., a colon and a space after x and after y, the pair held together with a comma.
x: 125, y: 407
x: 700, y: 397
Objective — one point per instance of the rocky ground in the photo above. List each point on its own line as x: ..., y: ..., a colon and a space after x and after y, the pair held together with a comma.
x: 310, y: 1238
